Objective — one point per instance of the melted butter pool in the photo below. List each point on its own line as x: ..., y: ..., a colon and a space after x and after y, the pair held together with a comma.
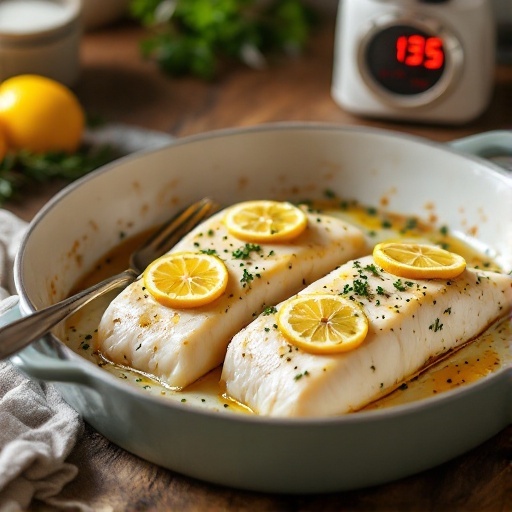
x: 487, y: 354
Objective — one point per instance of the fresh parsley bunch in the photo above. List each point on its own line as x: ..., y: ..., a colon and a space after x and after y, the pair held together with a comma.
x: 196, y: 37
x: 23, y: 168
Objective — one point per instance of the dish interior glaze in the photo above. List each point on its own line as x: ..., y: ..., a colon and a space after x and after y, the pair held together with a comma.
x: 485, y: 355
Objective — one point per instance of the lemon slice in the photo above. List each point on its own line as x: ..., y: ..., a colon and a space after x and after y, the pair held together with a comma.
x: 186, y: 279
x: 418, y: 261
x: 322, y: 323
x: 265, y: 221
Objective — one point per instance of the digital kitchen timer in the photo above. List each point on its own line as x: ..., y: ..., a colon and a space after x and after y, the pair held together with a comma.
x: 417, y: 60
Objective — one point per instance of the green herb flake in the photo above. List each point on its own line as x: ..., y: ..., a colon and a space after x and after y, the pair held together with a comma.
x: 436, y: 326
x: 373, y: 269
x: 247, y: 278
x: 210, y: 252
x: 402, y: 286
x: 361, y: 288
x: 244, y: 252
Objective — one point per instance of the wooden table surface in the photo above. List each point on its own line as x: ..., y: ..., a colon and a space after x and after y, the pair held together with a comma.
x: 118, y: 85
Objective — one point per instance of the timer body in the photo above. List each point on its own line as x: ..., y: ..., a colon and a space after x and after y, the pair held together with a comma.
x: 414, y: 60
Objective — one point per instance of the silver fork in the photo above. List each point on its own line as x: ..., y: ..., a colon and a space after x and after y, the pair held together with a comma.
x: 22, y: 332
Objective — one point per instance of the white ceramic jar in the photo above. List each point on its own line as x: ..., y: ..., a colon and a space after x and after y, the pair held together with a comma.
x: 40, y: 37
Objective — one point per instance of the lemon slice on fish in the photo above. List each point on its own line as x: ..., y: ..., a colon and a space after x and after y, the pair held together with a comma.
x: 322, y: 323
x: 186, y: 279
x: 418, y: 261
x: 265, y: 221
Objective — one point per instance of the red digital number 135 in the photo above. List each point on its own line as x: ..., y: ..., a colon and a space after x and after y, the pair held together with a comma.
x: 417, y: 50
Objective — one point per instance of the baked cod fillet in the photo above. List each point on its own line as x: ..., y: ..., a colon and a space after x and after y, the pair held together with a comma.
x: 177, y: 346
x: 412, y: 323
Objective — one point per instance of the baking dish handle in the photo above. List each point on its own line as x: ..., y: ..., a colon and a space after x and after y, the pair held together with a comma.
x: 9, y: 310
x: 35, y: 364
x: 495, y: 146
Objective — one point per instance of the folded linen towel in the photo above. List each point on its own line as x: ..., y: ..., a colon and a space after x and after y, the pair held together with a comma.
x: 38, y: 429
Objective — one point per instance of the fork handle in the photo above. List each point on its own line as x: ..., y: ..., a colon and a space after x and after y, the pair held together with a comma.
x: 22, y: 332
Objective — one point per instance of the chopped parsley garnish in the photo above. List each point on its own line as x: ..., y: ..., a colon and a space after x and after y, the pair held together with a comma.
x: 347, y: 289
x: 402, y: 286
x: 211, y: 252
x: 381, y: 291
x: 247, y: 278
x: 436, y: 326
x: 244, y: 252
x: 373, y: 269
x: 361, y: 288
x: 300, y: 375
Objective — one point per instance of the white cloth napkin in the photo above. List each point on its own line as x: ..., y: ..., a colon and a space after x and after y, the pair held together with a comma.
x: 38, y: 429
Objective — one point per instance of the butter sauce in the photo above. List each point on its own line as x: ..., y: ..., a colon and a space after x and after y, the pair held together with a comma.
x: 487, y: 354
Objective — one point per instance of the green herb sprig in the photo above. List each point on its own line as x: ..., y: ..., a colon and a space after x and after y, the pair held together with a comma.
x: 196, y: 37
x: 22, y: 169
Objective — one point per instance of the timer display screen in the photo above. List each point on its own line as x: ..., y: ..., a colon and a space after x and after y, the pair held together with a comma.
x: 405, y: 60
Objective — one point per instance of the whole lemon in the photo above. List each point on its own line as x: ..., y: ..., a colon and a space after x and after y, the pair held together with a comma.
x: 40, y: 115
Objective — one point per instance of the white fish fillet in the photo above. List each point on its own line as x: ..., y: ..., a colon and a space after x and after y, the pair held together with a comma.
x: 408, y: 330
x: 180, y: 345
